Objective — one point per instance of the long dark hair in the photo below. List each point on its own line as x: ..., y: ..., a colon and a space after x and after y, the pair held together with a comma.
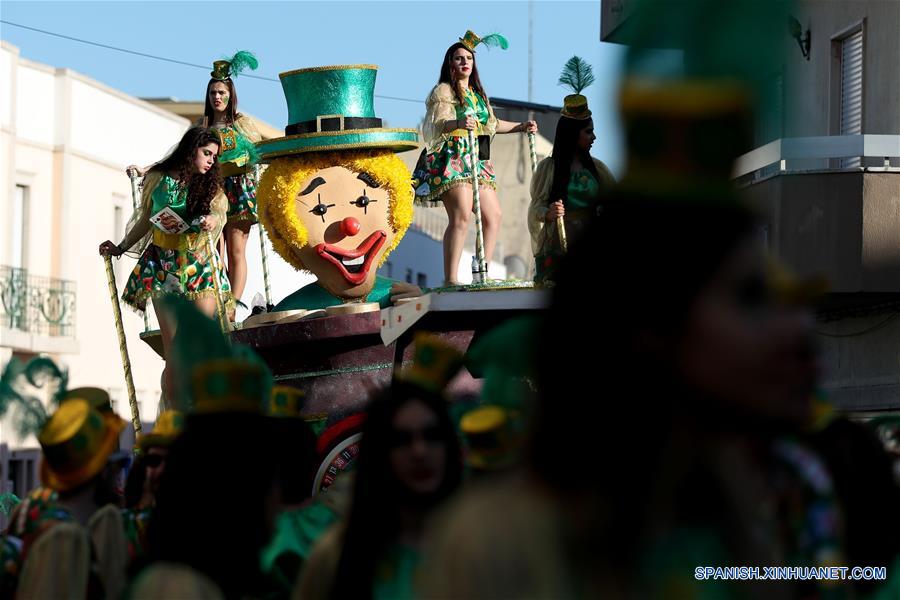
x: 231, y: 110
x: 211, y: 511
x: 201, y: 188
x: 565, y: 148
x: 374, y: 520
x: 446, y: 75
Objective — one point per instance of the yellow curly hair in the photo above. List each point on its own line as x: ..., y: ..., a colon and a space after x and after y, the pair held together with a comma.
x: 281, y: 182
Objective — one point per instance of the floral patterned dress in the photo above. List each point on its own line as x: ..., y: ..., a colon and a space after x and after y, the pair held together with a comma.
x: 450, y: 164
x: 173, y: 263
x: 236, y: 164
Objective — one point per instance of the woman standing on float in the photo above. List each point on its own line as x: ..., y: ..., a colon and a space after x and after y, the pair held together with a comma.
x: 458, y: 104
x: 182, y: 210
x: 236, y: 161
x: 239, y: 134
x: 570, y: 184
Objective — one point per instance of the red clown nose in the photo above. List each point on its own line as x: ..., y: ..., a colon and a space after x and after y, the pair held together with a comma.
x: 350, y: 226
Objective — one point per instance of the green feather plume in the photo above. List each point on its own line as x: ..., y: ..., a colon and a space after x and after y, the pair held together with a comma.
x: 576, y: 75
x: 8, y: 502
x: 495, y: 40
x: 27, y: 412
x: 242, y: 60
x: 42, y: 371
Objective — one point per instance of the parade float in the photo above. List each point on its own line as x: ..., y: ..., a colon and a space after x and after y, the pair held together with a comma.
x: 335, y: 201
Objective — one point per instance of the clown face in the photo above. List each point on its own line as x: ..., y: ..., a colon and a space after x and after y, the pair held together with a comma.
x: 337, y: 215
x: 346, y: 219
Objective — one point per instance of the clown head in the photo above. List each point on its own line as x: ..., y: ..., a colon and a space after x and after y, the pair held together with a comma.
x: 335, y: 199
x: 337, y: 214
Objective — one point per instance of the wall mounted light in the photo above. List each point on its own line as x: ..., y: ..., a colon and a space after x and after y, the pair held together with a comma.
x: 796, y: 32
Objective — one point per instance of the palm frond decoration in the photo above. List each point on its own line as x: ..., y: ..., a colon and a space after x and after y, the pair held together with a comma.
x: 576, y: 75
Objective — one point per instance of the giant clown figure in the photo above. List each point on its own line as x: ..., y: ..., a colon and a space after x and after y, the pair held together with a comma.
x: 335, y: 199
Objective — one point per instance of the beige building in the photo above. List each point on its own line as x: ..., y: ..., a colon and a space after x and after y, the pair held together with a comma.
x: 65, y: 140
x: 826, y: 171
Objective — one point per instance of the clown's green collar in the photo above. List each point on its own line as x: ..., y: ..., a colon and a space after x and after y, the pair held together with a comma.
x: 314, y: 296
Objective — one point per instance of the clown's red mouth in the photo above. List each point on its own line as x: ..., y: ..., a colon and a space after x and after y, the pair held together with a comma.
x: 354, y: 264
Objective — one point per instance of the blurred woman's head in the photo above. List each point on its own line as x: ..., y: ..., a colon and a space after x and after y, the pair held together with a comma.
x: 409, y: 451
x: 673, y: 310
x: 409, y: 461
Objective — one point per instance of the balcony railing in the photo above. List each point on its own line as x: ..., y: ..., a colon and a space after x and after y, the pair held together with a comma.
x: 829, y: 152
x: 37, y: 305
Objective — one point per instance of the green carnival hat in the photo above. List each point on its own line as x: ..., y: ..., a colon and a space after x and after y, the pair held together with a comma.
x: 333, y: 108
x: 211, y: 374
x: 232, y: 67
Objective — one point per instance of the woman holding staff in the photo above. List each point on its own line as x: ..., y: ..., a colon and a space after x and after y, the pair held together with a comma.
x: 182, y: 210
x: 567, y: 185
x: 236, y: 163
x: 458, y: 104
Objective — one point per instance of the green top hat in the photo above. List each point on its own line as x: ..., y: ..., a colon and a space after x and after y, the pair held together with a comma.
x: 221, y: 70
x: 232, y: 67
x: 332, y: 108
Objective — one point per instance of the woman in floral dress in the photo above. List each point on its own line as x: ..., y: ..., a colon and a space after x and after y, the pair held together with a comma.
x: 458, y: 104
x: 182, y: 210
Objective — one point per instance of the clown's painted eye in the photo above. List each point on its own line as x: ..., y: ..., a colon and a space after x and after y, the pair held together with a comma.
x: 363, y: 202
x: 321, y: 209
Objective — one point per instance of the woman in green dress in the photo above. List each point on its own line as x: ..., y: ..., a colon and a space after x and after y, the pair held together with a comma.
x: 568, y: 184
x: 458, y: 104
x: 182, y: 210
x: 236, y: 163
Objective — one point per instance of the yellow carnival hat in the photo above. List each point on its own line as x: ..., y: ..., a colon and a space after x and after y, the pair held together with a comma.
x: 169, y: 426
x: 77, y: 441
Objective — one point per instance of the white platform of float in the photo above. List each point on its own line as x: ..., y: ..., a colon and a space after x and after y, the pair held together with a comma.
x: 396, y: 320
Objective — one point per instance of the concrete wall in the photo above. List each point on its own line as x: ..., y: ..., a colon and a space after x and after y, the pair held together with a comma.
x: 612, y: 14
x: 842, y: 224
x: 860, y: 358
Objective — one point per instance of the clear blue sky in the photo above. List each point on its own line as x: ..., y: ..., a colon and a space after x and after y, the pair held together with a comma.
x: 406, y: 39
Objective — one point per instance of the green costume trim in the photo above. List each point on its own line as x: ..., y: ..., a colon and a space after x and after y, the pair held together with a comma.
x: 314, y: 296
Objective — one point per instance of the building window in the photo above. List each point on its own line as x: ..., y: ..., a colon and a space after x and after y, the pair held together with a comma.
x: 851, y: 100
x: 19, y: 233
x: 23, y: 476
x: 409, y: 274
x: 388, y: 269
x: 422, y: 280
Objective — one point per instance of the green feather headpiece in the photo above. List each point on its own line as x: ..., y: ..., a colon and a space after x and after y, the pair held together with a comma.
x: 234, y: 66
x: 576, y: 75
x: 494, y: 40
